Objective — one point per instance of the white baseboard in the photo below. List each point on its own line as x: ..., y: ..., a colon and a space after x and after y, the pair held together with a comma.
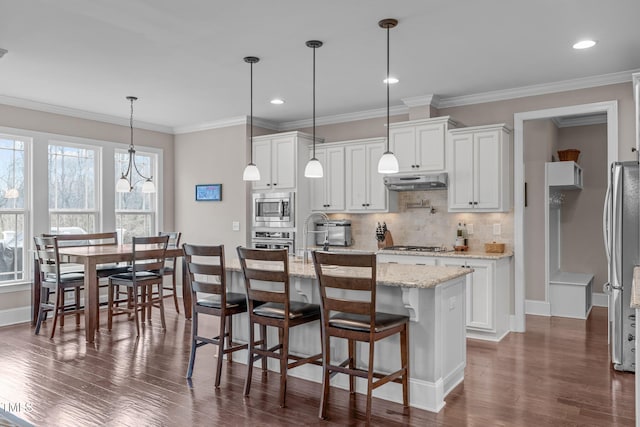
x: 600, y: 299
x: 12, y: 316
x: 538, y: 308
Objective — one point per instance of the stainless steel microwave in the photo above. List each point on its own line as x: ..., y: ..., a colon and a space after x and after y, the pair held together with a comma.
x: 274, y: 210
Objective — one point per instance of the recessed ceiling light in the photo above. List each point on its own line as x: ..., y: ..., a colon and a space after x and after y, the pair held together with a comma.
x: 391, y: 80
x: 277, y: 101
x: 584, y: 44
x: 3, y: 52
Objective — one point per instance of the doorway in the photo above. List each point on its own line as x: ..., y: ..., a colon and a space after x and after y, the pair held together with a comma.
x: 610, y: 108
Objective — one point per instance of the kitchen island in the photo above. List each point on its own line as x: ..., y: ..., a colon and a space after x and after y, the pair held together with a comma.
x: 433, y: 297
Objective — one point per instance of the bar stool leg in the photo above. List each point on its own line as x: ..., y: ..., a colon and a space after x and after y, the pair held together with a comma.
x: 352, y: 365
x: 263, y: 338
x: 404, y: 357
x: 230, y: 338
x: 370, y: 379
x: 223, y: 324
x: 326, y: 361
x: 247, y: 383
x: 194, y: 334
x: 284, y: 361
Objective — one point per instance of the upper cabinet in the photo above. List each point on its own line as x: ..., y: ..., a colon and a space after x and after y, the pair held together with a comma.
x: 479, y: 166
x: 327, y: 193
x: 365, y: 186
x: 419, y: 145
x: 276, y: 157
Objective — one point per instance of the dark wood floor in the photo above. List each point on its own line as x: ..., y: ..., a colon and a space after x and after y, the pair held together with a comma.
x: 557, y: 373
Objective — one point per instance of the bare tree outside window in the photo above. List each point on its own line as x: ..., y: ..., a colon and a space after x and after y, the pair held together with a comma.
x: 12, y: 208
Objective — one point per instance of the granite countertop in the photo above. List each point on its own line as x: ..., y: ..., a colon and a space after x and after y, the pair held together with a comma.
x: 451, y: 254
x: 400, y: 275
x: 635, y: 288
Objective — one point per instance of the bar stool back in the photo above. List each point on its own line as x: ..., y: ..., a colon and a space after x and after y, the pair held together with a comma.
x: 269, y: 305
x: 348, y: 302
x: 208, y: 282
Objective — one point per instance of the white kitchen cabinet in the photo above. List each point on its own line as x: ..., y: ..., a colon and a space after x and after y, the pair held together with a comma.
x: 327, y: 193
x: 419, y: 145
x: 365, y: 186
x: 480, y: 172
x: 487, y: 296
x: 276, y: 157
x: 405, y: 259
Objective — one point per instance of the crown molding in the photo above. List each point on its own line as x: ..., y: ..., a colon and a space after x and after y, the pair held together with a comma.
x: 80, y: 114
x: 591, y: 119
x: 541, y: 89
x: 232, y: 121
x: 343, y: 118
x: 421, y: 101
x: 416, y: 101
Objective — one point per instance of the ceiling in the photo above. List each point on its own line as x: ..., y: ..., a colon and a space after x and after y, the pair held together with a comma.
x: 184, y: 59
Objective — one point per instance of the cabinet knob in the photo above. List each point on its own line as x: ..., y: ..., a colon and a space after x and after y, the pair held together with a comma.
x: 471, y: 203
x: 268, y: 185
x: 413, y: 166
x: 475, y: 203
x: 417, y: 166
x: 275, y: 183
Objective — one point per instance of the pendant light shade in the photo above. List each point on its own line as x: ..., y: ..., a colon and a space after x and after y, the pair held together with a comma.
x: 314, y: 167
x: 127, y: 181
x: 251, y: 172
x: 388, y: 162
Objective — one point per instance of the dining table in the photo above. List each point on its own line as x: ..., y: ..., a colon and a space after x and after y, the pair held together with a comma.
x: 93, y: 256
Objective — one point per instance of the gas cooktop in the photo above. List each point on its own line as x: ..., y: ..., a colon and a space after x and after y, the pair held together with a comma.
x: 418, y: 248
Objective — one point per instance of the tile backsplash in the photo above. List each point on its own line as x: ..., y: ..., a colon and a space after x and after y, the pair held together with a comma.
x: 425, y: 227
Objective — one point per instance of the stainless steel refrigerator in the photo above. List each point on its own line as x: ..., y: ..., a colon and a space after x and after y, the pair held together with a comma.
x: 621, y: 225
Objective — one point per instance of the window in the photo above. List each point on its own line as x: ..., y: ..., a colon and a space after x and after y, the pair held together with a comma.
x: 12, y: 208
x: 135, y: 211
x: 73, y: 192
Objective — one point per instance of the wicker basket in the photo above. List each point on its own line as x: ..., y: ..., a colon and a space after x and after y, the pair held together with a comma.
x: 494, y: 248
x: 570, y: 155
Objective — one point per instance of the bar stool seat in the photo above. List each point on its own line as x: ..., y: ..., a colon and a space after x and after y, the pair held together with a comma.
x: 362, y: 322
x: 296, y: 310
x: 234, y: 300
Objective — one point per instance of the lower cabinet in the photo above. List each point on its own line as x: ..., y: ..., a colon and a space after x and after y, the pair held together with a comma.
x: 488, y: 292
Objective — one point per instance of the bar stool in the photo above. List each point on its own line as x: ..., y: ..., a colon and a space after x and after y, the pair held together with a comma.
x: 272, y: 307
x: 207, y: 277
x: 355, y: 318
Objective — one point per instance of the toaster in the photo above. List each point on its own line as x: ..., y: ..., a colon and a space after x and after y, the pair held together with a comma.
x: 339, y: 232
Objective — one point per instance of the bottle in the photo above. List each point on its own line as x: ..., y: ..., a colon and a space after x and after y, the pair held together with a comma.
x: 459, y: 237
x: 465, y: 234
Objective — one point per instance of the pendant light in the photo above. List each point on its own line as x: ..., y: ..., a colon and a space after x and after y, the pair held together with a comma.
x: 314, y: 167
x: 251, y: 172
x: 388, y: 162
x: 126, y: 182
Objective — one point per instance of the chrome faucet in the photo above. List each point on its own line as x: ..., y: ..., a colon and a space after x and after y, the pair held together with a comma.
x: 306, y: 231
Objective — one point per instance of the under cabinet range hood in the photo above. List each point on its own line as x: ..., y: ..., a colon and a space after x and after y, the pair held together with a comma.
x: 419, y: 182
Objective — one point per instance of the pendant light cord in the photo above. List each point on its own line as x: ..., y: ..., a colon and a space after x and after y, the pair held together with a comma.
x: 131, y: 123
x: 388, y: 88
x: 314, y: 102
x: 251, y: 113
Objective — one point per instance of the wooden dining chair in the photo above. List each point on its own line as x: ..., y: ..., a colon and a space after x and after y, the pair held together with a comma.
x: 348, y: 302
x: 208, y: 283
x: 54, y: 284
x: 268, y: 304
x: 170, y: 267
x: 109, y: 238
x: 146, y: 271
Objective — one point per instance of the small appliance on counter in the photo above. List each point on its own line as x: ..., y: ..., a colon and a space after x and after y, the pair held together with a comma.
x: 338, y: 232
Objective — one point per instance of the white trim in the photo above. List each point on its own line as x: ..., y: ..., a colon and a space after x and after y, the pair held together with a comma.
x: 593, y: 119
x: 541, y: 89
x: 223, y: 123
x: 12, y: 316
x: 415, y: 101
x: 80, y: 114
x: 421, y: 101
x: 608, y: 107
x: 599, y: 299
x: 346, y: 117
x: 538, y: 308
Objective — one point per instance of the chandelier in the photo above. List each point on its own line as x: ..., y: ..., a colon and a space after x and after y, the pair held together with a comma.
x: 126, y: 182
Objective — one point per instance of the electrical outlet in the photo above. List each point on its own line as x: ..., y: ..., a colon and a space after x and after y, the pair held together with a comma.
x: 497, y: 229
x: 470, y: 229
x: 235, y: 226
